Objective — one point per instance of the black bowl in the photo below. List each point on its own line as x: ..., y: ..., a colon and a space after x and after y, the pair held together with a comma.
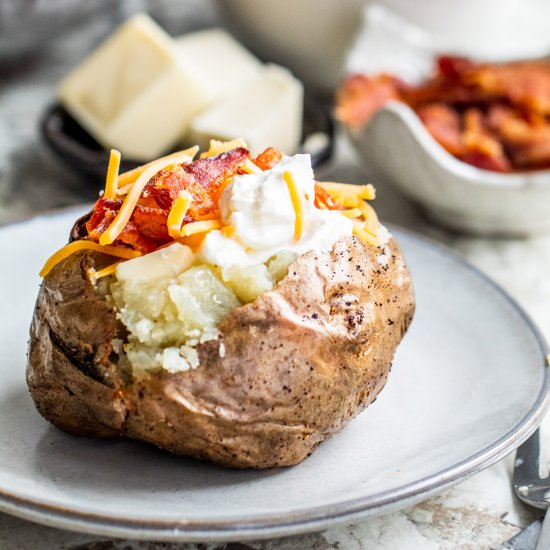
x: 73, y: 146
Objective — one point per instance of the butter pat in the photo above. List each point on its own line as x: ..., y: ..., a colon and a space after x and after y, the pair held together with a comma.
x: 265, y: 111
x: 134, y: 92
x: 217, y: 61
x: 164, y: 263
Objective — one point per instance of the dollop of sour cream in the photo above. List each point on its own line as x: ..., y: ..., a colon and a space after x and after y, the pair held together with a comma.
x: 259, y: 208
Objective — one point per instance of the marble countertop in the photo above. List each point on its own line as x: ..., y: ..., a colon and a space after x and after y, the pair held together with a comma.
x: 481, y: 512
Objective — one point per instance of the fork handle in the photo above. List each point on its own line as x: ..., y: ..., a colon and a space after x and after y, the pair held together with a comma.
x: 544, y: 538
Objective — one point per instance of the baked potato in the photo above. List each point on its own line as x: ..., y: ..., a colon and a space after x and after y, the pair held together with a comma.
x: 246, y: 365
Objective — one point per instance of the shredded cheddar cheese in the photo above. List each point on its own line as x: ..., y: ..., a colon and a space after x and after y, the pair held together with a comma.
x: 121, y: 191
x: 228, y: 230
x: 369, y: 214
x: 199, y: 227
x: 111, y: 183
x: 222, y: 188
x: 94, y: 275
x: 362, y: 191
x: 177, y: 213
x: 361, y: 231
x: 353, y: 213
x: 132, y: 198
x: 349, y: 201
x: 296, y: 204
x: 75, y: 246
x: 218, y: 147
x: 126, y: 180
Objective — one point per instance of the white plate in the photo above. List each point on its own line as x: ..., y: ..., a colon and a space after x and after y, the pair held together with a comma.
x: 468, y: 385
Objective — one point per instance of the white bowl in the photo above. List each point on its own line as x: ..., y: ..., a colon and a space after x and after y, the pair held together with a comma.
x: 397, y: 148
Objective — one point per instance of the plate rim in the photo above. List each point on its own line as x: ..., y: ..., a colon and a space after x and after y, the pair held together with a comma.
x: 314, y: 518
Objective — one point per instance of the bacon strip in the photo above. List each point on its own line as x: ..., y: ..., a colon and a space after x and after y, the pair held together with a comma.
x: 210, y: 171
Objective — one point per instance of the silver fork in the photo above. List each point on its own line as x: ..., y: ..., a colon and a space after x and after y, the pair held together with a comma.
x: 530, y: 487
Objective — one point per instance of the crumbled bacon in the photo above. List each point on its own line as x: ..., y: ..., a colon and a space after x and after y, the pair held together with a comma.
x: 444, y: 123
x: 133, y: 237
x: 526, y: 137
x: 361, y: 96
x: 524, y: 84
x: 494, y: 116
x: 324, y: 201
x: 453, y: 67
x: 268, y: 159
x: 203, y: 179
x: 103, y: 214
x: 481, y: 147
x: 165, y: 187
x: 151, y: 222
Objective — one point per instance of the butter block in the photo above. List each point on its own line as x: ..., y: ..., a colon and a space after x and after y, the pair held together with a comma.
x: 134, y: 92
x: 265, y: 111
x: 218, y: 61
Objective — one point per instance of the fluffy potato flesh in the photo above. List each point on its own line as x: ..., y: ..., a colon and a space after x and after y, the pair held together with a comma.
x: 201, y: 298
x: 167, y: 316
x: 248, y: 282
x: 168, y: 305
x: 286, y: 371
x: 278, y: 264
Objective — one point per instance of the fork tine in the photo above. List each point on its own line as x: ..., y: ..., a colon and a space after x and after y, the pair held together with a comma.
x: 527, y: 479
x: 527, y: 463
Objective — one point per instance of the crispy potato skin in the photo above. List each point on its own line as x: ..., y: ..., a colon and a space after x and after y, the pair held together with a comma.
x: 289, y: 370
